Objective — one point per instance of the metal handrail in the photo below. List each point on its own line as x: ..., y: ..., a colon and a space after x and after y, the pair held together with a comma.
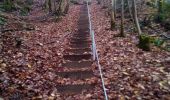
x: 95, y: 54
x: 90, y: 28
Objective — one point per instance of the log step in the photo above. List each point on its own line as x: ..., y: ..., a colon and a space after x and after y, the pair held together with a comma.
x: 76, y: 74
x: 79, y: 45
x: 78, y: 51
x: 79, y: 39
x: 74, y: 89
x: 81, y: 42
x: 77, y: 57
x: 81, y: 64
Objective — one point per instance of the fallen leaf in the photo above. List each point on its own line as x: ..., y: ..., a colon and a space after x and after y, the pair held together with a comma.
x: 29, y: 66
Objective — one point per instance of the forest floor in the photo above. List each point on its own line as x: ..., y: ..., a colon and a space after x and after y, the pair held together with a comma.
x: 129, y: 72
x: 29, y: 71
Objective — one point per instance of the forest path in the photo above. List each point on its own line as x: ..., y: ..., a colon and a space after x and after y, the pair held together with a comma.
x: 78, y: 56
x: 81, y: 80
x: 50, y: 64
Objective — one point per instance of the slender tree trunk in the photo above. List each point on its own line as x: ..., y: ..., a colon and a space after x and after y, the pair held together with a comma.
x: 112, y: 15
x: 135, y: 17
x: 49, y: 6
x: 122, y: 34
x: 144, y: 40
x: 63, y: 7
x: 60, y: 9
x: 67, y: 6
x: 115, y: 8
x: 55, y: 6
x: 130, y: 10
x: 46, y: 4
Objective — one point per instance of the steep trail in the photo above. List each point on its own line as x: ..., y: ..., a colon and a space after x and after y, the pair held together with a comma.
x: 78, y: 57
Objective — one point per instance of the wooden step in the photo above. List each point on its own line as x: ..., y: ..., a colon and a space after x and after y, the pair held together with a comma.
x: 78, y: 57
x: 85, y: 23
x: 79, y: 39
x: 83, y: 32
x: 76, y: 74
x: 81, y: 35
x: 85, y: 20
x: 74, y: 89
x: 83, y: 28
x: 78, y: 64
x: 78, y: 51
x: 79, y: 45
x: 83, y: 14
x: 81, y: 42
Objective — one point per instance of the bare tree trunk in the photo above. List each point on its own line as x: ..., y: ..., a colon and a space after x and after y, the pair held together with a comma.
x: 144, y: 40
x: 112, y: 15
x: 122, y: 34
x: 115, y: 8
x: 60, y: 9
x: 46, y: 4
x: 50, y: 6
x: 63, y: 7
x: 55, y: 6
x: 67, y: 6
x: 135, y: 17
x: 130, y: 10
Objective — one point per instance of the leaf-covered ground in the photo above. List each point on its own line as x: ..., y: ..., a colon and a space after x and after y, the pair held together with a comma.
x: 29, y: 71
x: 129, y: 73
